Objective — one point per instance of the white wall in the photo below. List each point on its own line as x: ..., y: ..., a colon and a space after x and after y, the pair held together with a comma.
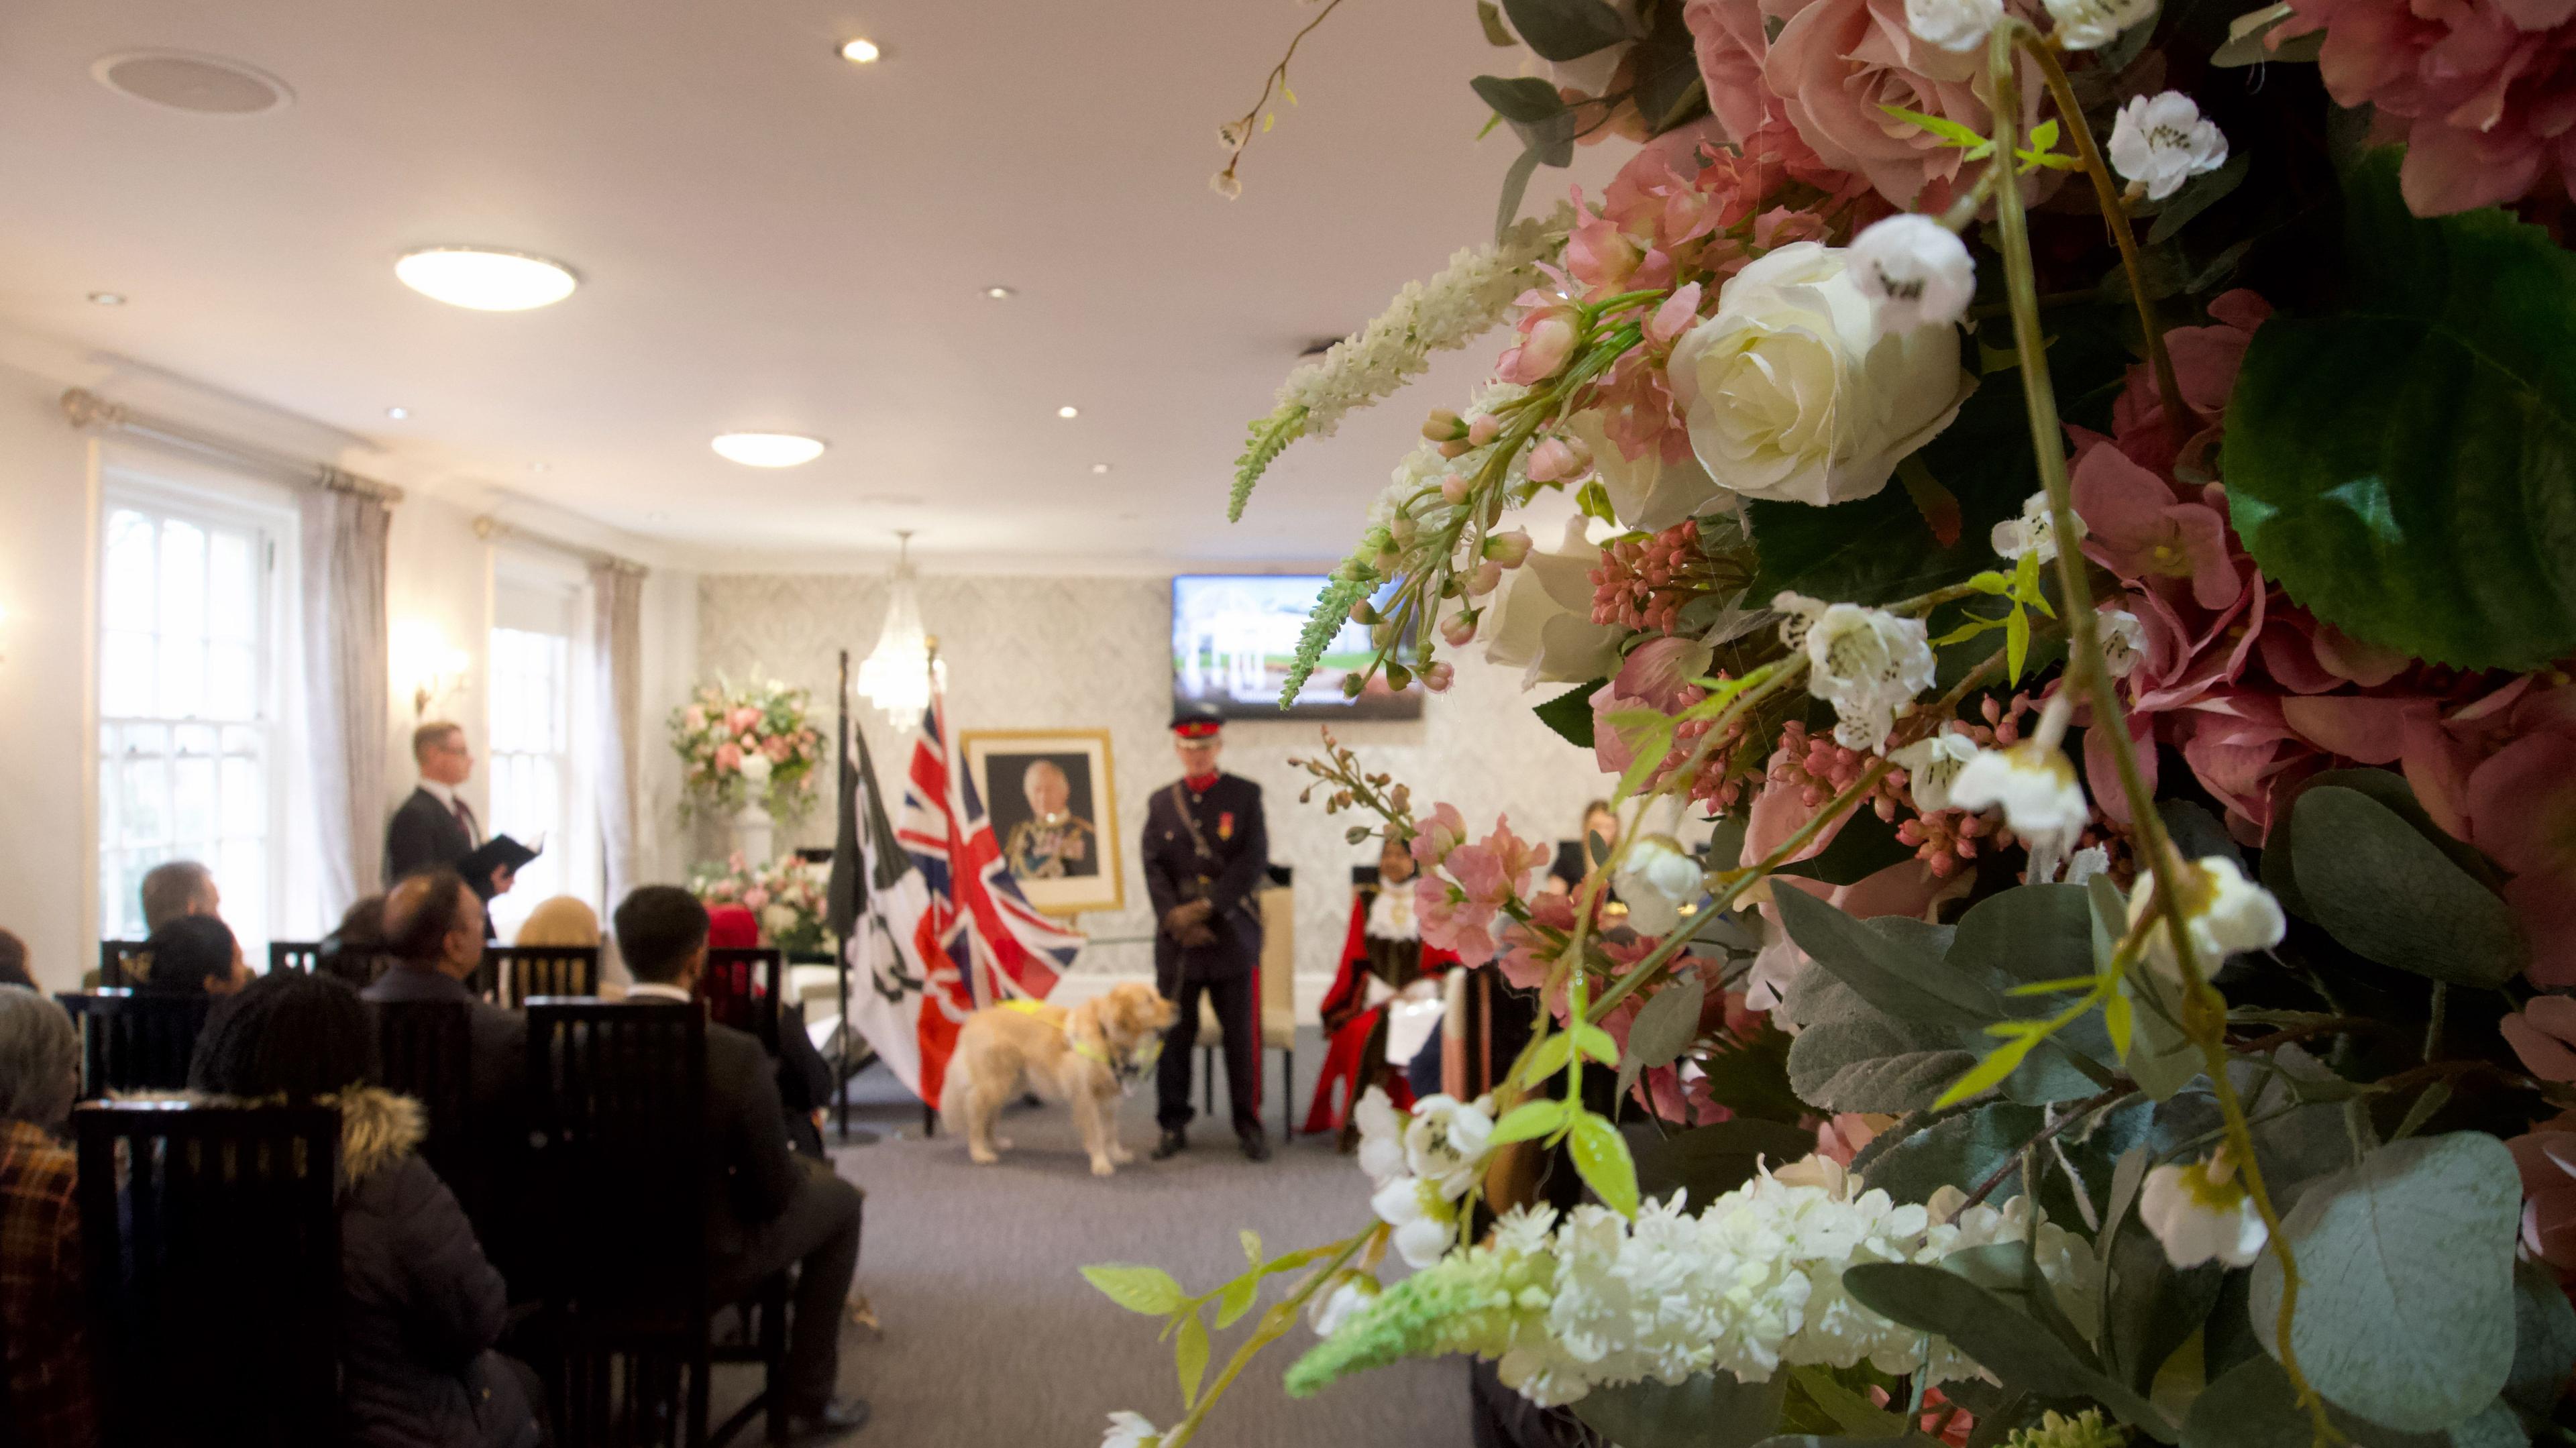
x: 1095, y: 652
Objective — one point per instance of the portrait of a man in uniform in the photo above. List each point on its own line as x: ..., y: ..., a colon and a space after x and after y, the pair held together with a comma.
x: 1054, y: 842
x: 1053, y: 808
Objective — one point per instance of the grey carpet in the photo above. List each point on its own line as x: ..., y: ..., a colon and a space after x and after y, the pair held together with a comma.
x: 990, y: 1337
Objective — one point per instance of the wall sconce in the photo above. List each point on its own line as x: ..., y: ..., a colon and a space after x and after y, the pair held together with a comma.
x: 424, y: 662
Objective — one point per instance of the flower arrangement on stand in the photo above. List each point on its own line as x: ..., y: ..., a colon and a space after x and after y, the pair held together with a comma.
x: 752, y: 745
x: 785, y: 895
x: 2083, y: 501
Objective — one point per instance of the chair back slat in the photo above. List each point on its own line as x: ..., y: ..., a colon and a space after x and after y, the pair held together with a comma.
x: 513, y: 974
x: 112, y: 955
x: 358, y: 966
x: 296, y: 955
x: 424, y: 1051
x: 741, y: 989
x: 617, y: 1121
x: 213, y: 1245
x: 135, y: 1040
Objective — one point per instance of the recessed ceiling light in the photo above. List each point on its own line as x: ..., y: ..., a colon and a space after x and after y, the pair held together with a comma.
x: 1000, y: 294
x: 108, y: 299
x: 861, y: 51
x: 1068, y: 411
x: 1100, y: 467
x: 768, y: 449
x: 541, y: 467
x: 485, y: 279
x: 397, y: 413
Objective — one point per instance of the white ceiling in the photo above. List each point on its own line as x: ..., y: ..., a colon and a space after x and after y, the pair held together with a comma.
x: 772, y: 238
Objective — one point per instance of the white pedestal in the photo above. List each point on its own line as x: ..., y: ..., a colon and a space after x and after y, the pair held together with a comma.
x: 754, y: 834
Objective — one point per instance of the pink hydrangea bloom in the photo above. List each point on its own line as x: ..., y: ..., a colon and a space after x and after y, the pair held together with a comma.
x: 2543, y: 1034
x: 2547, y: 1161
x: 2137, y: 528
x: 728, y: 757
x: 1458, y: 912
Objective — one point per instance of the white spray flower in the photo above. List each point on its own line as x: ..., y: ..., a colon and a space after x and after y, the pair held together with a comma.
x: 2202, y: 1212
x: 1960, y: 25
x: 1447, y: 1141
x: 2226, y: 912
x: 1914, y: 270
x: 1656, y: 880
x: 2034, y: 531
x: 2124, y: 640
x: 1130, y: 1430
x: 2086, y: 863
x: 2161, y: 141
x: 2036, y: 786
x: 1381, y: 1135
x: 1350, y: 1292
x: 1932, y: 768
x: 2091, y: 24
x: 1425, y: 1223
x: 1866, y: 662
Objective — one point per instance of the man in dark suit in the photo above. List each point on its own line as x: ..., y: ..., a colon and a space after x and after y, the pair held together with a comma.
x: 1205, y: 854
x: 434, y: 827
x: 772, y: 1207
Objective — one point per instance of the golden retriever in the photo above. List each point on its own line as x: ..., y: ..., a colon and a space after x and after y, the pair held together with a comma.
x: 1077, y: 1055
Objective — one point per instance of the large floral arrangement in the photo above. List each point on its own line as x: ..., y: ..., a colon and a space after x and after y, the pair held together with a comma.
x: 756, y: 742
x: 2081, y: 499
x: 786, y: 895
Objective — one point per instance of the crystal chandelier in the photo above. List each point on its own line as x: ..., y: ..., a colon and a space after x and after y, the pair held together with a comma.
x: 895, y: 676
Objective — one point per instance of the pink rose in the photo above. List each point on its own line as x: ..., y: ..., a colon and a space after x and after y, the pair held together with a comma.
x: 693, y: 718
x: 1836, y: 64
x: 728, y: 757
x: 755, y: 897
x: 741, y: 719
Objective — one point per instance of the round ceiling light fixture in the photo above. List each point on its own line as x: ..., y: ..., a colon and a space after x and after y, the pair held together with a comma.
x: 206, y: 85
x: 768, y: 449
x: 485, y: 279
x: 1068, y: 412
x: 1098, y: 468
x: 861, y: 51
x: 397, y: 413
x: 107, y: 299
x: 1000, y: 293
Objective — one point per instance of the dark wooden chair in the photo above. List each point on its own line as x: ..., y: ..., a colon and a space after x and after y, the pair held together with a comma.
x: 135, y: 1040
x: 298, y: 955
x: 511, y: 974
x: 359, y: 967
x: 621, y: 1176
x: 424, y: 1051
x: 112, y: 955
x: 213, y: 1271
x: 741, y: 989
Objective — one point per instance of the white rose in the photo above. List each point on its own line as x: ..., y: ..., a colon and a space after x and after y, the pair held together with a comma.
x: 1648, y: 493
x: 1792, y: 396
x: 777, y: 920
x: 1542, y: 619
x: 755, y: 769
x: 1655, y: 880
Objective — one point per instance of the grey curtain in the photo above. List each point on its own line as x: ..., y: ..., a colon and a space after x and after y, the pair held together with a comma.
x: 344, y: 685
x: 617, y: 644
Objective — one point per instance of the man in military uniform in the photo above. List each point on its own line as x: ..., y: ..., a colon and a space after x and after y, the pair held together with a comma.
x: 1206, y: 854
x: 1053, y: 843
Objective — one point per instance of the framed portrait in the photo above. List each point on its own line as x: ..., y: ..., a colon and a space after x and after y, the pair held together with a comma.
x: 1054, y: 807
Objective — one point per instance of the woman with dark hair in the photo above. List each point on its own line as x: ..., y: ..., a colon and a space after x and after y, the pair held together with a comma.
x: 192, y: 955
x: 355, y: 950
x: 421, y: 1307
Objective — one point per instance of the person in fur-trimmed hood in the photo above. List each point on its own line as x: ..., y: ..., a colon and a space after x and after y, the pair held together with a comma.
x: 421, y: 1306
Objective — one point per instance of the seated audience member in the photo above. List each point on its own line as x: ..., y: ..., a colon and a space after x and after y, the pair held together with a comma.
x: 1567, y: 871
x: 177, y: 889
x: 433, y: 934
x: 13, y: 962
x: 804, y: 1078
x: 771, y: 1207
x: 420, y: 1306
x: 1384, y: 959
x: 563, y: 920
x: 42, y: 1315
x: 354, y: 949
x: 191, y: 955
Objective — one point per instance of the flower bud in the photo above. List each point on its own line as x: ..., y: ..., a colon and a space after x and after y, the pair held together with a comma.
x: 1352, y: 684
x: 1362, y: 611
x: 1460, y: 628
x: 1402, y: 530
x: 1453, y: 490
x: 1436, y: 677
x: 1457, y: 448
x: 1484, y: 580
x: 1484, y: 429
x: 1508, y: 548
x: 1444, y: 426
x: 1225, y: 184
x: 1559, y: 460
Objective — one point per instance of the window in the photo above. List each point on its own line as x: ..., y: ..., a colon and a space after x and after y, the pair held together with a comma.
x: 185, y: 679
x: 539, y: 793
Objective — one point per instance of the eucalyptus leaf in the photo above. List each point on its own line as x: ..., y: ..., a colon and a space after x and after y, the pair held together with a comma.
x: 1851, y: 1056
x: 2406, y: 1310
x: 1961, y: 1152
x: 2389, y: 788
x: 2025, y: 1355
x: 1896, y: 968
x: 1566, y: 29
x: 2424, y: 507
x: 1709, y: 1410
x: 2387, y: 894
x: 2544, y: 1339
x: 2253, y: 1406
x: 2150, y: 1306
x: 2198, y: 195
x: 1663, y: 1029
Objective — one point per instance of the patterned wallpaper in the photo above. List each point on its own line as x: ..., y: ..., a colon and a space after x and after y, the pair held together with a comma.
x: 1094, y: 652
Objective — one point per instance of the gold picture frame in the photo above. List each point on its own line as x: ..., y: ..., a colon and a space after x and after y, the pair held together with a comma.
x: 1068, y: 859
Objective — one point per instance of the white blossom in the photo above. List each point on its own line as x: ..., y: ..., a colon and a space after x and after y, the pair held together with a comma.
x: 1932, y: 767
x: 1866, y: 662
x: 2036, y: 786
x: 1960, y: 25
x: 1914, y: 270
x: 2034, y: 531
x: 1350, y: 1292
x: 2086, y: 863
x: 1425, y: 1223
x: 1655, y: 880
x: 2226, y: 913
x: 2201, y: 1212
x: 2091, y: 24
x: 1130, y: 1430
x: 1447, y: 1140
x: 1381, y: 1135
x: 2161, y: 141
x: 2124, y: 640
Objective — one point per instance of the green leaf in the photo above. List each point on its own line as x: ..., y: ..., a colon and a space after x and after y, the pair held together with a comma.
x: 1948, y: 130
x: 2025, y: 1355
x: 2406, y: 1312
x: 1520, y: 100
x: 1595, y: 1043
x: 1710, y: 1161
x: 1149, y: 1290
x: 1239, y: 1296
x: 1709, y: 1410
x: 1896, y: 964
x: 2427, y: 507
x: 1857, y: 1416
x: 2386, y: 893
x: 2544, y: 1339
x: 1190, y: 1357
x: 1668, y: 87
x: 2198, y: 195
x: 2252, y: 1406
x: 1989, y: 1073
x: 1529, y: 1121
x: 2389, y: 788
x: 1570, y: 713
x: 1960, y: 1151
x: 1551, y: 1056
x: 1492, y: 19
x: 1601, y: 1158
x: 1566, y: 29
x: 1663, y: 1029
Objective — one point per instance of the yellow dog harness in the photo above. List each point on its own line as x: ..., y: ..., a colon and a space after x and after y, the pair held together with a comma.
x: 1128, y: 1071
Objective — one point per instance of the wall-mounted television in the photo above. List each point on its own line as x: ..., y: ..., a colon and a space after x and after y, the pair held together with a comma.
x: 1234, y: 635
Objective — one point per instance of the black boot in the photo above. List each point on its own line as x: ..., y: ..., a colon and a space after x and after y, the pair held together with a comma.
x: 1174, y: 1142
x: 1256, y: 1147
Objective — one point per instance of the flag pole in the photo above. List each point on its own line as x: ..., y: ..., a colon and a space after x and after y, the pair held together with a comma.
x: 841, y: 775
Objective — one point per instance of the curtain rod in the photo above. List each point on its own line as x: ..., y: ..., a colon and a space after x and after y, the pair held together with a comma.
x: 488, y: 528
x: 89, y: 412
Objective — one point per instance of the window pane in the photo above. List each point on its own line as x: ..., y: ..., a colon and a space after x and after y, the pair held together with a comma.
x: 125, y: 675
x: 232, y: 603
x: 146, y: 816
x: 245, y: 799
x: 125, y: 580
x: 183, y: 579
x: 232, y: 692
x: 183, y: 677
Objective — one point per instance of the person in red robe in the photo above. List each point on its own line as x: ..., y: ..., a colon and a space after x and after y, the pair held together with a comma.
x: 1383, y: 956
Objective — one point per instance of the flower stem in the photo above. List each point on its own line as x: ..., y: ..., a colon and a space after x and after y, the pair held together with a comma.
x: 1274, y: 1324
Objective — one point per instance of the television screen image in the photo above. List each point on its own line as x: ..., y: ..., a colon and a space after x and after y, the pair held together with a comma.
x: 1234, y: 635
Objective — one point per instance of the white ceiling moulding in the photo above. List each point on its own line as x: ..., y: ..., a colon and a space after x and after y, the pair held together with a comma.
x: 491, y: 529
x: 86, y: 411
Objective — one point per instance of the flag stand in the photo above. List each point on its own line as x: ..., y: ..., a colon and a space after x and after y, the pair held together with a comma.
x: 841, y: 1071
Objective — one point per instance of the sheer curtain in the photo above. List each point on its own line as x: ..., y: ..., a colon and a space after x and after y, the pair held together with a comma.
x: 617, y: 648
x: 345, y: 689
